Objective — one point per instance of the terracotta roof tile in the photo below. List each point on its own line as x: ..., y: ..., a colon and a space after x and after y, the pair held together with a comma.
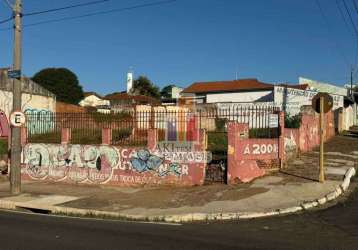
x: 125, y: 96
x: 228, y: 86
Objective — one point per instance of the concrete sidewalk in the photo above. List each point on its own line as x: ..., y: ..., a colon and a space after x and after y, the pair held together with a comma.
x: 266, y: 196
x: 279, y: 193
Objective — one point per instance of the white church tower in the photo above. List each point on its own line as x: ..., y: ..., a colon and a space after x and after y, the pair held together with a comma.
x: 129, y: 81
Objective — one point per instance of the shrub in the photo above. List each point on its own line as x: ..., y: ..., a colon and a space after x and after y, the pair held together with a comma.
x: 292, y: 121
x: 220, y: 124
x: 217, y: 142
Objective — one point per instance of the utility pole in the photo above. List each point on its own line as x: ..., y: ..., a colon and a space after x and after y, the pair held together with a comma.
x: 352, y: 69
x: 15, y: 167
x: 321, y: 139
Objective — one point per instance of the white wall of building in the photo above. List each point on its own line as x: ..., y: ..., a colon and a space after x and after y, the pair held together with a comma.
x: 176, y: 92
x: 93, y: 101
x: 251, y: 96
x: 323, y: 87
x: 296, y: 98
x: 30, y: 103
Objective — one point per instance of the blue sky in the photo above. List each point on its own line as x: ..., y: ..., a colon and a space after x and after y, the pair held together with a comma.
x: 188, y: 41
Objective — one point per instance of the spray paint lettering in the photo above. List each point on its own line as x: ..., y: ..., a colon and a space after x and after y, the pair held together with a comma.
x: 94, y: 164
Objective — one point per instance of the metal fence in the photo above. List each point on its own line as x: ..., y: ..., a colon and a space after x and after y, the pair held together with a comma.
x: 131, y: 128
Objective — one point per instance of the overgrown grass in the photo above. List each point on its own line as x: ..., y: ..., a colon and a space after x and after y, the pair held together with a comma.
x: 49, y: 137
x: 112, y: 117
x: 87, y: 136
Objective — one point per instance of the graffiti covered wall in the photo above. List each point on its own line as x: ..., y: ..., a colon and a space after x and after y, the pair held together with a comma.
x: 110, y: 165
x: 293, y: 99
x: 29, y: 102
x: 33, y: 96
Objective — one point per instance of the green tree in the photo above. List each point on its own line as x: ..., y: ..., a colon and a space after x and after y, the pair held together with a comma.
x: 62, y: 82
x: 143, y: 86
x: 167, y: 91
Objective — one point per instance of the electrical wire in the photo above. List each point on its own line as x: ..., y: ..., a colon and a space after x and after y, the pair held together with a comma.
x: 349, y: 30
x: 100, y: 13
x: 355, y: 5
x: 93, y: 14
x: 65, y: 8
x: 7, y: 3
x: 339, y: 49
x: 6, y: 20
x: 343, y: 17
x: 350, y: 18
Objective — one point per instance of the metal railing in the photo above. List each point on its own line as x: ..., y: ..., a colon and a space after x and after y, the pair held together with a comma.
x: 131, y: 127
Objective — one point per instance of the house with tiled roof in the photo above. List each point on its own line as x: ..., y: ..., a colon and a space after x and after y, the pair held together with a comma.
x: 92, y: 99
x: 238, y: 91
x: 289, y: 97
x: 123, y: 101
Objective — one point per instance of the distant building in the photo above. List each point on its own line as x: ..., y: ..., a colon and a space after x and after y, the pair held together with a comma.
x: 237, y: 91
x: 323, y: 87
x: 121, y: 101
x: 174, y: 96
x: 289, y: 97
x: 92, y: 99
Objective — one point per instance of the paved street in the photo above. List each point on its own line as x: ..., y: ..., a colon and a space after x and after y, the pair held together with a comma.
x: 334, y: 228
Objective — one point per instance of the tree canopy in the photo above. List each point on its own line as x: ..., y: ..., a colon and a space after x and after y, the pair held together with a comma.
x: 62, y: 82
x: 167, y: 91
x: 143, y: 86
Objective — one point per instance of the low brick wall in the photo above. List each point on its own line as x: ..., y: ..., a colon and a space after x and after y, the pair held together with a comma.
x: 112, y: 165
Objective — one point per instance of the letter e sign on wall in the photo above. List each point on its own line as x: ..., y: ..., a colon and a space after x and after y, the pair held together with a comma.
x: 17, y: 119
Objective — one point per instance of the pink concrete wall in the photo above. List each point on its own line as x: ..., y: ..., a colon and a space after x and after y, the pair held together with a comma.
x: 4, y: 125
x: 106, y: 164
x: 309, y: 136
x: 242, y: 166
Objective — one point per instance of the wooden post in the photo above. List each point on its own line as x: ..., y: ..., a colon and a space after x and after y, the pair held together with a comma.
x: 321, y: 148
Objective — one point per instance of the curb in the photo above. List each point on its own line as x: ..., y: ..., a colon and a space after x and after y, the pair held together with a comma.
x: 192, y: 217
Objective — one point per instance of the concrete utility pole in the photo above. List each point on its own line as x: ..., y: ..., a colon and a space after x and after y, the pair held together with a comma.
x: 321, y: 138
x: 15, y: 167
x: 352, y: 69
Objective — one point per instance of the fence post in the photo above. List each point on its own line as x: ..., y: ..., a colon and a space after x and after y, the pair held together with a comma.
x: 106, y: 136
x: 152, y: 139
x: 232, y: 133
x: 65, y: 135
x: 282, y: 138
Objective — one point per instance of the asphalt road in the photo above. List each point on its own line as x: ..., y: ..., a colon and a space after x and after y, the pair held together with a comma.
x: 334, y: 228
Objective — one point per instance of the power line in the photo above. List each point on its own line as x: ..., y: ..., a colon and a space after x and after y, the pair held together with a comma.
x: 343, y: 17
x: 65, y: 8
x: 7, y: 3
x: 330, y: 29
x: 6, y: 20
x: 94, y: 14
x: 355, y: 5
x: 354, y: 35
x: 350, y: 17
x: 100, y: 13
